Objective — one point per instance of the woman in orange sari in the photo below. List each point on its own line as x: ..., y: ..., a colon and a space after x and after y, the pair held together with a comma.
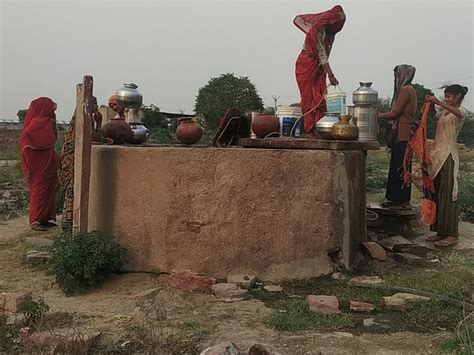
x: 39, y: 161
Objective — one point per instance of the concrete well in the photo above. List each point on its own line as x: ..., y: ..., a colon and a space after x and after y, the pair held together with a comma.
x: 274, y: 213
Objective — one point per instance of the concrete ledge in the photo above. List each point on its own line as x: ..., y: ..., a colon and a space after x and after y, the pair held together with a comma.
x: 273, y: 213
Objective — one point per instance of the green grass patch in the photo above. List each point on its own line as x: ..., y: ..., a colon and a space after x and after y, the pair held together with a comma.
x: 432, y: 316
x: 463, y: 340
x: 339, y: 288
x: 294, y: 315
x: 455, y: 260
x: 456, y: 284
x: 376, y: 171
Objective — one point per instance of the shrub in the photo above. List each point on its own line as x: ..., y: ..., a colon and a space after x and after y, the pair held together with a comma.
x: 34, y: 312
x: 83, y: 260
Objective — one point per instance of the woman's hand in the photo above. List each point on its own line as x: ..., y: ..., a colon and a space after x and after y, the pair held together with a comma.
x: 432, y: 99
x: 333, y: 80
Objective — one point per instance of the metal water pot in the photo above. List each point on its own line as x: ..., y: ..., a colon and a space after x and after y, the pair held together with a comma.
x: 365, y: 95
x: 129, y: 96
x: 324, y: 125
x: 139, y: 133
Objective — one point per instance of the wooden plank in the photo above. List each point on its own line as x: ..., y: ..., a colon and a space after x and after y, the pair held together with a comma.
x: 319, y: 144
x: 82, y: 153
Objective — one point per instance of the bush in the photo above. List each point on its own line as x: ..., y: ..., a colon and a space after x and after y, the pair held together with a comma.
x: 466, y: 197
x: 83, y: 260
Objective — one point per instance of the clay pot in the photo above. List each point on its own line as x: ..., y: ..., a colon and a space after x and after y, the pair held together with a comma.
x: 264, y: 125
x: 344, y: 130
x: 188, y: 131
x: 118, y: 130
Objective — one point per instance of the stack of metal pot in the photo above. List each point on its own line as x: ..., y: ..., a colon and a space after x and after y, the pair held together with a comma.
x: 365, y: 110
x: 129, y: 97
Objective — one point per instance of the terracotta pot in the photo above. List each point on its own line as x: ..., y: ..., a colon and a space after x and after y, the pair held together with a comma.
x: 118, y: 130
x: 264, y: 125
x: 188, y: 131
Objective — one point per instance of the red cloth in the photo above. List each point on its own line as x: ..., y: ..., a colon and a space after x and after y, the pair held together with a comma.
x: 417, y: 145
x: 310, y: 76
x: 39, y: 161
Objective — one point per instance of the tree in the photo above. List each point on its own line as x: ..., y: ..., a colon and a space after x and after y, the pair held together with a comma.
x: 224, y: 92
x: 158, y: 124
x: 21, y: 115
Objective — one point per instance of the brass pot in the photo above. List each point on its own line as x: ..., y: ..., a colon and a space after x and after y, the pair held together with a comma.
x: 344, y: 130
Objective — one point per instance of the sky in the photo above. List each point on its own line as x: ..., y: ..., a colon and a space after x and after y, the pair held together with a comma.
x: 172, y: 48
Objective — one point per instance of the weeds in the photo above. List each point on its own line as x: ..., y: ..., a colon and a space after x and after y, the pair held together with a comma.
x: 294, y: 315
x: 463, y: 342
x: 157, y: 334
x: 34, y: 313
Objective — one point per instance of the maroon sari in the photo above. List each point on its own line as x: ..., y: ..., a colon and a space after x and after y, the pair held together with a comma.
x: 310, y: 75
x: 39, y: 161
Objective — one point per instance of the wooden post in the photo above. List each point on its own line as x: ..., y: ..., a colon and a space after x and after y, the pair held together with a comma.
x: 82, y: 153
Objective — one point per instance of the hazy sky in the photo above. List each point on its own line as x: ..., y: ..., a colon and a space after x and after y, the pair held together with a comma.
x: 172, y: 48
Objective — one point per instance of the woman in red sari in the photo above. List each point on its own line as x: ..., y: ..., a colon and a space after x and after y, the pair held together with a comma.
x: 312, y: 66
x: 39, y: 161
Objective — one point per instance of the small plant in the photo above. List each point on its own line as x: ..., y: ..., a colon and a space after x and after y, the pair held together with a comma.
x: 83, y: 260
x: 34, y: 313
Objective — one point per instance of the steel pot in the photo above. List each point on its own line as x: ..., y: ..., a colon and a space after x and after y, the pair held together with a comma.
x: 365, y: 95
x: 324, y: 125
x: 139, y: 133
x: 129, y: 96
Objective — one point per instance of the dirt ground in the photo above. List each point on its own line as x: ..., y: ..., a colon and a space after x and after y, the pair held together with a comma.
x: 114, y: 307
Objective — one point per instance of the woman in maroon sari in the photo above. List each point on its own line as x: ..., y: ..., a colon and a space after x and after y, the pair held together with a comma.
x: 39, y: 161
x: 312, y: 65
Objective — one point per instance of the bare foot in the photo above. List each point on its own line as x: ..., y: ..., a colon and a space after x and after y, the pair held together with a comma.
x: 446, y: 242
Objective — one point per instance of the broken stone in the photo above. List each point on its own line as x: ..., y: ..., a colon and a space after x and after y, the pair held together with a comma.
x: 39, y: 242
x: 227, y: 348
x: 375, y: 251
x: 243, y: 281
x: 339, y: 276
x: 64, y: 341
x: 400, y: 301
x: 14, y: 301
x: 147, y: 294
x: 388, y: 243
x: 365, y: 280
x: 191, y: 281
x: 259, y: 349
x: 368, y: 322
x: 323, y: 304
x: 344, y: 334
x: 34, y: 257
x: 273, y: 288
x: 412, y: 249
x: 229, y: 292
x: 357, y: 306
x: 409, y: 259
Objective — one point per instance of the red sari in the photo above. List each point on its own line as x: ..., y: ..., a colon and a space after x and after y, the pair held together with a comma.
x: 39, y: 161
x: 310, y: 75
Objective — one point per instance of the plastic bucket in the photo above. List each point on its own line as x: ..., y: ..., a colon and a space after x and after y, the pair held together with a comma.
x: 288, y: 117
x: 336, y: 102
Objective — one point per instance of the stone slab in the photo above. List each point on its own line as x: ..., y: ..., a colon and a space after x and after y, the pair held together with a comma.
x: 293, y: 143
x: 275, y: 214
